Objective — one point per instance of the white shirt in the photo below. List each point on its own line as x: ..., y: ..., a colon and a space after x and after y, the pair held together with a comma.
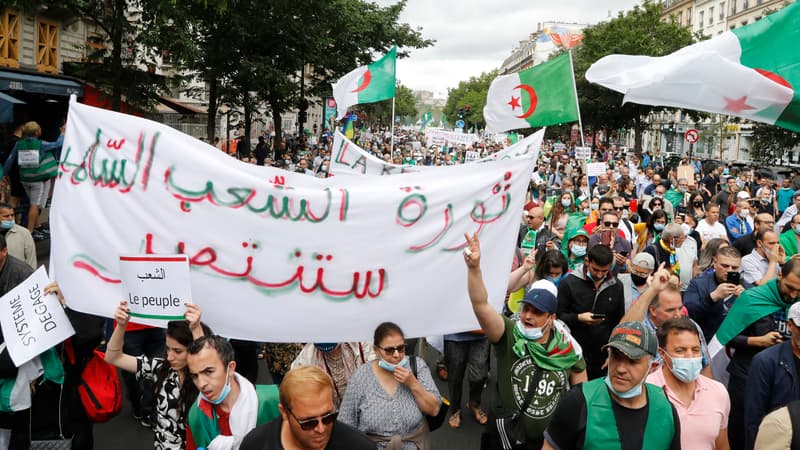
x: 708, y: 232
x: 754, y: 266
x: 786, y: 217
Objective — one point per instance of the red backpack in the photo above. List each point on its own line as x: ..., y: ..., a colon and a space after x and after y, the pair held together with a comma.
x: 99, y: 389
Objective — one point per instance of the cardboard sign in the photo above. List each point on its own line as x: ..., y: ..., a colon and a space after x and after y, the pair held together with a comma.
x: 471, y: 156
x: 158, y: 286
x: 32, y: 321
x: 583, y: 153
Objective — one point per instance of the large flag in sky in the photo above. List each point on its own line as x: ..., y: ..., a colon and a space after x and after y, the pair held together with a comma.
x: 539, y: 96
x: 367, y: 84
x: 748, y: 72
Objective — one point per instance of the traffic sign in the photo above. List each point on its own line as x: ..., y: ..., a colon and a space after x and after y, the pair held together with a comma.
x: 459, y: 124
x: 692, y: 135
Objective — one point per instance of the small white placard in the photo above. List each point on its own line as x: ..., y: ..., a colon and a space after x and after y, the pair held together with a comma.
x: 158, y: 285
x: 595, y: 169
x: 32, y: 321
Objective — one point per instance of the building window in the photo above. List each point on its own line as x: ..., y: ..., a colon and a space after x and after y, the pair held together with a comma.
x: 733, y: 8
x: 702, y: 15
x: 745, y: 4
x: 721, y: 11
x: 47, y: 47
x: 711, y: 15
x: 9, y: 39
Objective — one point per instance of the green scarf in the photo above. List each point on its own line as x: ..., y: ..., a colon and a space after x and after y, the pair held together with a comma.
x: 788, y: 241
x: 674, y: 196
x: 752, y: 305
x: 558, y: 355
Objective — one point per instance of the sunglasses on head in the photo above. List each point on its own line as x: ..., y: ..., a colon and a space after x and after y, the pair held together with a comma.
x: 390, y: 350
x: 310, y: 424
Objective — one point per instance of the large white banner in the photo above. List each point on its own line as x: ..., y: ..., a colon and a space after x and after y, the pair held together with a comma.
x: 349, y: 158
x: 276, y: 255
x: 452, y: 139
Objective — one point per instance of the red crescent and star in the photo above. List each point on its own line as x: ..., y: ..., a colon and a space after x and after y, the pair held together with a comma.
x: 739, y: 105
x: 515, y: 101
x: 365, y: 79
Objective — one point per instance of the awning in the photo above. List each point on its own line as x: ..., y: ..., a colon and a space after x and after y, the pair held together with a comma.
x: 181, y: 107
x: 39, y: 84
x: 7, y: 103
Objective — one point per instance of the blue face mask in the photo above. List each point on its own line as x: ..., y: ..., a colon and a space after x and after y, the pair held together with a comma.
x: 225, y: 391
x: 686, y: 369
x: 797, y: 229
x: 532, y: 334
x: 326, y: 347
x: 554, y: 280
x: 566, y: 203
x: 578, y: 250
x: 7, y: 224
x: 633, y: 392
x: 383, y: 364
x: 659, y: 226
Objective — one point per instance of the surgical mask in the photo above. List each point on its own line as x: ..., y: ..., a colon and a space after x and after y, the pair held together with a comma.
x: 682, y: 190
x: 633, y: 392
x: 566, y: 203
x: 532, y: 334
x: 686, y: 369
x: 687, y: 229
x: 764, y: 200
x: 797, y: 229
x: 554, y: 280
x: 580, y: 250
x: 225, y: 391
x: 385, y: 365
x: 744, y: 212
x: 326, y: 347
x: 595, y: 206
x: 587, y: 211
x: 659, y: 226
x: 7, y: 224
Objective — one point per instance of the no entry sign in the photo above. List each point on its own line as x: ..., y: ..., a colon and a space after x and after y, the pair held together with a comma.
x: 692, y: 135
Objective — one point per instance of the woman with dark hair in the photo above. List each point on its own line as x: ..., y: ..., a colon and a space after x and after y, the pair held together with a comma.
x: 174, y: 391
x: 386, y: 400
x: 563, y: 207
x: 553, y: 267
x: 648, y: 232
x: 697, y: 206
x: 625, y: 188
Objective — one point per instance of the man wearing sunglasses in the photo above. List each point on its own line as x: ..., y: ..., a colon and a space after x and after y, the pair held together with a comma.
x: 308, y: 418
x: 607, y: 234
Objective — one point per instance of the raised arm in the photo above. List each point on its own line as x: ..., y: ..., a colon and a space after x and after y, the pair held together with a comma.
x: 523, y: 275
x: 193, y: 315
x: 114, y: 353
x: 490, y: 320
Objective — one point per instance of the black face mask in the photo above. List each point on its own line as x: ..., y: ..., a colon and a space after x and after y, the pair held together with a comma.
x: 637, y: 280
x: 697, y: 204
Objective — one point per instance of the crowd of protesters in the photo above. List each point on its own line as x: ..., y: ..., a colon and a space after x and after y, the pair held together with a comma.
x: 649, y: 306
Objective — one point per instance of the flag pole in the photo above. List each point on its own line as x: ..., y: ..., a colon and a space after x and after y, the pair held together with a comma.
x: 391, y: 147
x: 577, y: 103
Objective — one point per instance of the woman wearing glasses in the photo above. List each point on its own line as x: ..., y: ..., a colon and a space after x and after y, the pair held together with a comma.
x: 384, y: 398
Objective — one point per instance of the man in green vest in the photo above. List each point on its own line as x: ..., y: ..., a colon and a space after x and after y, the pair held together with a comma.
x: 620, y: 411
x: 228, y: 406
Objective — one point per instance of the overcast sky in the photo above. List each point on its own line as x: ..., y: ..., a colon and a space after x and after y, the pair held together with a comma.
x: 475, y: 36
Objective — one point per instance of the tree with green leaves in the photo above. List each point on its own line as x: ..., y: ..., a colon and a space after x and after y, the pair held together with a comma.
x: 639, y: 31
x: 771, y: 143
x: 379, y: 113
x: 471, y: 92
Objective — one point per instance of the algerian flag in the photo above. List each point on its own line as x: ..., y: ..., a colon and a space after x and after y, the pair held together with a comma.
x: 539, y: 96
x: 367, y: 84
x: 746, y: 72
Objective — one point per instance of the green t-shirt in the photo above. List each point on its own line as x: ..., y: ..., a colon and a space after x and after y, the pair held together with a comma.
x: 514, y: 375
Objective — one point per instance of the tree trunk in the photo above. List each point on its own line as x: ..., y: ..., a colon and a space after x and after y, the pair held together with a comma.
x: 116, y: 55
x: 638, y: 127
x: 248, y: 116
x: 276, y: 119
x: 211, y: 120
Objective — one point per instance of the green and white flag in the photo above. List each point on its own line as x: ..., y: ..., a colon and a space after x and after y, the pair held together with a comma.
x: 539, y: 96
x: 748, y: 72
x: 367, y: 84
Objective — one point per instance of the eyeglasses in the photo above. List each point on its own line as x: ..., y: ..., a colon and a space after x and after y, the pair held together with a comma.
x: 611, y: 224
x: 390, y: 350
x: 310, y: 424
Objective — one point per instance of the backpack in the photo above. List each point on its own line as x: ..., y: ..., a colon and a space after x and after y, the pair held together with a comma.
x: 99, y: 388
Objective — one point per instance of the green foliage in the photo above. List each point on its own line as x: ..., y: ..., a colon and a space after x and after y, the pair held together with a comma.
x: 473, y: 93
x: 771, y: 143
x: 380, y: 113
x: 639, y: 31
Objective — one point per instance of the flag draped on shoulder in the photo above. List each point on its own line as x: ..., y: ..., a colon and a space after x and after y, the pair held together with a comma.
x: 750, y: 72
x: 367, y: 84
x: 539, y: 96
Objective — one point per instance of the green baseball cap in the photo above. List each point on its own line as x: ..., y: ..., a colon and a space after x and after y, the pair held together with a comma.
x: 634, y: 339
